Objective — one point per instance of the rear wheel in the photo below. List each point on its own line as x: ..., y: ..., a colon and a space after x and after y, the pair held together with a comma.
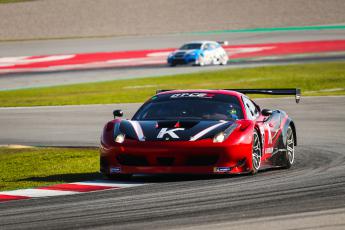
x: 289, y: 156
x: 256, y: 153
x: 223, y: 61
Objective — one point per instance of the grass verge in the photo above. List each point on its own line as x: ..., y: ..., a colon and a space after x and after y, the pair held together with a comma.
x: 34, y: 167
x: 313, y: 79
x: 13, y: 1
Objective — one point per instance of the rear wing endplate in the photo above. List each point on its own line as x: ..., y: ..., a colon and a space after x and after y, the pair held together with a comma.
x: 223, y: 43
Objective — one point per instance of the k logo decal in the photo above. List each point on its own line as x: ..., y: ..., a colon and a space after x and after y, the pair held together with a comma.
x: 170, y: 132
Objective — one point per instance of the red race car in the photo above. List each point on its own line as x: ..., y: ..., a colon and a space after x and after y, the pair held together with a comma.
x: 199, y: 132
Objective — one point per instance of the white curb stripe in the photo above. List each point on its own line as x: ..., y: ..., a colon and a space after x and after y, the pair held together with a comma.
x: 46, y: 192
x: 37, y: 193
x: 118, y: 184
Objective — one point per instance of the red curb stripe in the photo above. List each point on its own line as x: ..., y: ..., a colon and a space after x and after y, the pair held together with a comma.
x: 4, y: 198
x: 158, y: 56
x: 288, y: 48
x: 77, y: 187
x: 84, y: 58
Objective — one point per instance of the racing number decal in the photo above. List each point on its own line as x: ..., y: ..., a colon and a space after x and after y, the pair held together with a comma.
x: 266, y: 146
x: 170, y: 132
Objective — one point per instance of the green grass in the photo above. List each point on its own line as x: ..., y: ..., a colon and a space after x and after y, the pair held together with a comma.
x: 33, y: 167
x: 13, y: 1
x: 313, y: 79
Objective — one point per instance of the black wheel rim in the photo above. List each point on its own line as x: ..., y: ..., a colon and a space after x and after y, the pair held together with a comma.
x: 290, y: 146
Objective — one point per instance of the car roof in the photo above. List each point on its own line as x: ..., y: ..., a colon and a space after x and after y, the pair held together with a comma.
x: 214, y: 91
x: 200, y: 42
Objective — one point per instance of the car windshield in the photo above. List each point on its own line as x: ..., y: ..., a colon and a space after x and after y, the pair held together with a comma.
x: 191, y: 46
x: 191, y: 106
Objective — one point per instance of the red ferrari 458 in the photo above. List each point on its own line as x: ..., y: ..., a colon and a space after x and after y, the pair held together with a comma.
x: 199, y: 132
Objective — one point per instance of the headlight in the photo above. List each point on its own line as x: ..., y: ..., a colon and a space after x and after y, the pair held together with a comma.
x: 120, y: 138
x: 220, y: 137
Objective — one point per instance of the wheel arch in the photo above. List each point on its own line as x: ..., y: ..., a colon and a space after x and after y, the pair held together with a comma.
x: 255, y: 169
x: 261, y: 138
x: 293, y: 127
x: 283, y: 136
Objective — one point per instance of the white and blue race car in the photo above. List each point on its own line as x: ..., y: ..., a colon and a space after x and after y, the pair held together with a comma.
x: 199, y: 53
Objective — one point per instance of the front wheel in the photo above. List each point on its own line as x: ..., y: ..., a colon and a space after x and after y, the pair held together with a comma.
x: 256, y: 153
x: 200, y: 61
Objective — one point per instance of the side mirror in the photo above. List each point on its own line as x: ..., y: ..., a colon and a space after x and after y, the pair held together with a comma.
x: 118, y: 113
x: 266, y: 112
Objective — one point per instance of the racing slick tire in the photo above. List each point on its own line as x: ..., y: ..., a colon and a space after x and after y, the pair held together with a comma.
x: 256, y: 153
x: 201, y: 61
x: 216, y: 61
x: 289, y: 156
x: 223, y: 61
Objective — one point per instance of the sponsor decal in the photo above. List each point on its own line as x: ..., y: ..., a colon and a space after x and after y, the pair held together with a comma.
x: 269, y: 150
x: 199, y: 95
x: 171, y: 133
x: 221, y: 169
x: 115, y: 169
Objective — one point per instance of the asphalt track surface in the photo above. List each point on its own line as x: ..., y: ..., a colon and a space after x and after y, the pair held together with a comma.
x: 80, y: 18
x: 28, y: 48
x: 311, y: 195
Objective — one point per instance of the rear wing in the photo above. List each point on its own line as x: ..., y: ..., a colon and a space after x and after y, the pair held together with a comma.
x: 291, y: 91
x: 223, y: 43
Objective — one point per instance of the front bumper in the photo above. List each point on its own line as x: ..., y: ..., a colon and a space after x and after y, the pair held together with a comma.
x: 182, y: 60
x: 175, y: 157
